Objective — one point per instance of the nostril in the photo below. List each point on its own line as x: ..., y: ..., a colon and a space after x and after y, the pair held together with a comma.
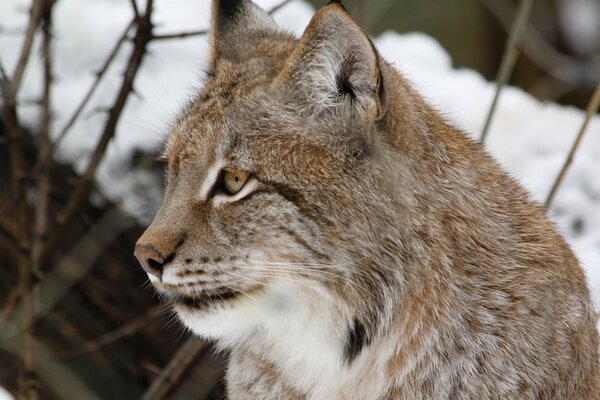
x: 154, y: 267
x: 150, y: 259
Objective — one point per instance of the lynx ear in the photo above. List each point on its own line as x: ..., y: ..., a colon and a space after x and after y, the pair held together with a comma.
x: 335, y: 63
x: 234, y: 24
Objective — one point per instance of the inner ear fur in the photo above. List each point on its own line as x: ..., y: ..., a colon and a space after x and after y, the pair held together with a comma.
x: 335, y: 62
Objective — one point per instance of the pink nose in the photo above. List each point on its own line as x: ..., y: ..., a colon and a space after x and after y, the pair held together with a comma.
x: 150, y: 259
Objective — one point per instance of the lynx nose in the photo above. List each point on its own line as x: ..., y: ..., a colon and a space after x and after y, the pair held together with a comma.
x: 150, y: 259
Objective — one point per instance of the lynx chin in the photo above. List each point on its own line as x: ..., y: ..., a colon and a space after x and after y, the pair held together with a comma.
x: 343, y: 241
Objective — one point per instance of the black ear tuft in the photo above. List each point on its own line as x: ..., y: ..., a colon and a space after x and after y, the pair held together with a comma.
x: 233, y: 22
x: 229, y: 7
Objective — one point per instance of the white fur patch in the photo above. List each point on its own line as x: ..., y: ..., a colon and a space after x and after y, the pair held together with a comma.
x: 210, y: 180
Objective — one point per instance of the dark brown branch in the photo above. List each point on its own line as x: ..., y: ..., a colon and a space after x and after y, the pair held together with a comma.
x: 592, y: 109
x: 8, y: 246
x: 99, y: 75
x: 509, y: 58
x: 125, y: 330
x: 134, y: 6
x: 14, y: 133
x: 34, y: 20
x: 3, y: 78
x: 558, y: 65
x: 176, y: 369
x: 179, y: 35
x: 71, y: 268
x: 142, y: 37
x: 62, y: 381
x: 40, y: 229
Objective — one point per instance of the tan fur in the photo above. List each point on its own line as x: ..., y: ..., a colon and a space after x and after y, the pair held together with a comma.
x: 382, y: 253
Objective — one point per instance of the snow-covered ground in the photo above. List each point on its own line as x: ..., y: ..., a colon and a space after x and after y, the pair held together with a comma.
x: 530, y: 138
x: 4, y: 395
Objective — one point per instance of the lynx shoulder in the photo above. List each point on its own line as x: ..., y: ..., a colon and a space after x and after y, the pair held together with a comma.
x: 333, y: 231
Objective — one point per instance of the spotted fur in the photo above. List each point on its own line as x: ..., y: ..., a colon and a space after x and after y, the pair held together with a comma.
x: 378, y: 253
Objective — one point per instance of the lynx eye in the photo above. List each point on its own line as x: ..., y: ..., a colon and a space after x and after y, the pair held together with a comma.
x: 234, y: 181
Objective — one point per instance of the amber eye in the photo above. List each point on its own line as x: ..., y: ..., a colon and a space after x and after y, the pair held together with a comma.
x: 234, y: 181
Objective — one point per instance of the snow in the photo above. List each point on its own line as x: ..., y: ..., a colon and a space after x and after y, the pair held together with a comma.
x: 5, y: 395
x: 530, y: 138
x: 580, y: 21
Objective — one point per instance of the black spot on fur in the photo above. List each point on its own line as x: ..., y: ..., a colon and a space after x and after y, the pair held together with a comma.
x: 355, y: 341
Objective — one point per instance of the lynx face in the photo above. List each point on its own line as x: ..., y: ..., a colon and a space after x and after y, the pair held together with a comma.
x: 273, y: 181
x: 344, y: 241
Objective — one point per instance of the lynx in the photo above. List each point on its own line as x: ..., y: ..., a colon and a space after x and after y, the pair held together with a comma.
x: 331, y: 230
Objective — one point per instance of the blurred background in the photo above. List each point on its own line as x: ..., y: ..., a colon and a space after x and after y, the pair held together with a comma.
x: 89, y: 88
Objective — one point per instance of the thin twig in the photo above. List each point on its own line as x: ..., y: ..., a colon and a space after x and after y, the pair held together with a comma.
x: 179, y: 35
x: 108, y: 338
x: 34, y: 20
x: 40, y: 229
x: 142, y: 37
x: 99, y: 75
x: 3, y: 77
x: 134, y: 6
x: 14, y: 130
x: 62, y: 381
x: 591, y: 110
x: 71, y: 268
x: 558, y: 65
x: 178, y: 366
x: 509, y: 58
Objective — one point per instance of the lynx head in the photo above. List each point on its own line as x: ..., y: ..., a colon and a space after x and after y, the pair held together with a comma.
x: 282, y: 178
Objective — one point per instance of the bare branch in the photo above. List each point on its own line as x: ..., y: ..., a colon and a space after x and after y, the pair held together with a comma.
x: 10, y: 89
x: 142, y: 37
x: 180, y: 35
x: 34, y: 20
x: 62, y: 380
x: 99, y: 75
x: 43, y: 185
x: 509, y: 58
x: 134, y: 6
x: 559, y: 66
x: 592, y: 109
x: 3, y: 77
x: 149, y: 9
x: 67, y: 272
x: 175, y: 370
x: 125, y: 330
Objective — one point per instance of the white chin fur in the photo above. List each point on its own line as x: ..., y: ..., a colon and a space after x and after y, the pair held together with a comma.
x: 230, y: 321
